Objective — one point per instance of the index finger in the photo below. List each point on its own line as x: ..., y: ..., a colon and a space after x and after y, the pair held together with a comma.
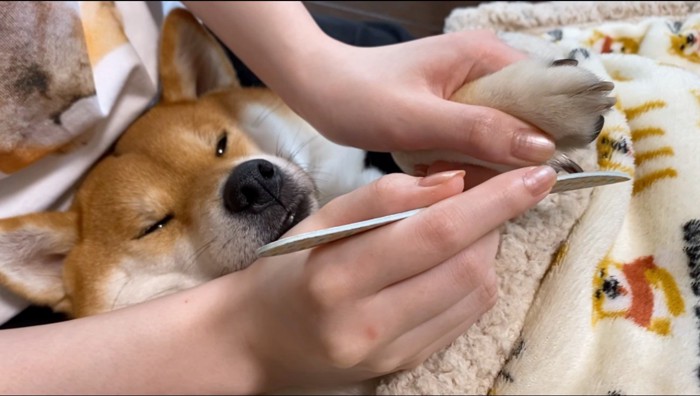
x: 401, y: 250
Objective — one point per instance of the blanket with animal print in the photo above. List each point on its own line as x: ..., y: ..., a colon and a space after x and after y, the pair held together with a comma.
x: 618, y: 310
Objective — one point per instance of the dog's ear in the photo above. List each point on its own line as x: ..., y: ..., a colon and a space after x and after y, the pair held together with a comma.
x: 192, y: 62
x: 33, y: 249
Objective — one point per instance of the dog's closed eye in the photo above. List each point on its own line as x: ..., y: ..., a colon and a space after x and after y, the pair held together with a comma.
x: 155, y: 226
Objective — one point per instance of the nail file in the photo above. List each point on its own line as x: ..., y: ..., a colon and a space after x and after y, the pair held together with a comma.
x: 566, y: 182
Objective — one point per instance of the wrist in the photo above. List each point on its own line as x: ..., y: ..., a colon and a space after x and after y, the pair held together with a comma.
x: 309, y: 73
x: 232, y: 364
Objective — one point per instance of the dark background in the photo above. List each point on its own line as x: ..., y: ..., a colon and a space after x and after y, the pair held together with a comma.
x: 420, y: 18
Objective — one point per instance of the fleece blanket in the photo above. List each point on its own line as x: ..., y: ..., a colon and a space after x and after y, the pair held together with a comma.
x: 607, y: 302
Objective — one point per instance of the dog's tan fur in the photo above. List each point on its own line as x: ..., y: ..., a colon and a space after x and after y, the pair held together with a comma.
x: 84, y: 261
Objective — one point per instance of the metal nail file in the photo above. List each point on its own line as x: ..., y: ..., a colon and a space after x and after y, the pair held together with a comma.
x: 565, y: 182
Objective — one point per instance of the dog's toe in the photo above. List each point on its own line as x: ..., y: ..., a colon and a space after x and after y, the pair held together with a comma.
x: 598, y: 127
x: 560, y: 97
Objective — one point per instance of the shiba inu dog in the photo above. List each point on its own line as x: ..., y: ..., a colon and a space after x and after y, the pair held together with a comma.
x: 214, y: 171
x: 185, y: 196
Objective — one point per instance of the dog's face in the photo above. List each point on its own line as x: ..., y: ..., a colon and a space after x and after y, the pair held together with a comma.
x: 185, y: 197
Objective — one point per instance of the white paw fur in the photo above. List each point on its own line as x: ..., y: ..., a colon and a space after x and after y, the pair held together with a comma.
x: 564, y: 100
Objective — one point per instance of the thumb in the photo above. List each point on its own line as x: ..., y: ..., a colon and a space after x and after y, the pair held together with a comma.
x: 480, y: 132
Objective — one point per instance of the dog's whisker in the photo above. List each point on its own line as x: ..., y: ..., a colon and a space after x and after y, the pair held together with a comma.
x: 270, y: 110
x: 192, y: 260
x: 302, y: 146
x: 291, y: 153
x: 119, y: 293
x: 203, y: 248
x: 164, y: 292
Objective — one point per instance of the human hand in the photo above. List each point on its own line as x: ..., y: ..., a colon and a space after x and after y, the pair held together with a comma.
x: 395, y: 98
x: 386, y: 299
x: 390, y: 98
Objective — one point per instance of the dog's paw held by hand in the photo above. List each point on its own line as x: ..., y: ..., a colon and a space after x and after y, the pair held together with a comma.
x: 561, y: 98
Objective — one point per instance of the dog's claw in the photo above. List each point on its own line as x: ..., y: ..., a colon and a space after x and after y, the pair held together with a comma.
x: 598, y: 127
x: 565, y: 62
x: 561, y: 162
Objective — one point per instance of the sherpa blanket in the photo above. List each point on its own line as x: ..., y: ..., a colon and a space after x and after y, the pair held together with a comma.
x: 600, y: 291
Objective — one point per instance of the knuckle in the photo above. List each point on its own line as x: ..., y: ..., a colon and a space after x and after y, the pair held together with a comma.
x: 326, y: 289
x: 489, y: 287
x: 342, y: 349
x: 385, y: 186
x: 384, y: 190
x: 484, y: 283
x: 416, y: 362
x: 438, y: 231
x: 386, y: 365
x: 465, y: 273
x: 483, y: 123
x: 472, y: 270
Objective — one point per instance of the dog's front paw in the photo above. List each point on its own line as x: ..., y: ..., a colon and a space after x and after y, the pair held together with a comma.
x: 562, y: 99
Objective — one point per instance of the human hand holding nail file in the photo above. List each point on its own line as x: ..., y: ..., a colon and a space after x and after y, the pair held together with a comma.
x: 311, y: 239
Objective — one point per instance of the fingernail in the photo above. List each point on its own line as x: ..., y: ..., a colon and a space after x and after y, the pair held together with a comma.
x: 539, y: 179
x: 440, y: 178
x: 533, y: 147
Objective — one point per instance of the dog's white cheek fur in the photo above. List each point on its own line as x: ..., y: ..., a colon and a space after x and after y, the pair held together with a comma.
x: 138, y: 279
x: 336, y: 169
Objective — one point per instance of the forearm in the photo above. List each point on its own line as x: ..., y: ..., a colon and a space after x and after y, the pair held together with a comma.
x: 279, y: 41
x: 169, y: 345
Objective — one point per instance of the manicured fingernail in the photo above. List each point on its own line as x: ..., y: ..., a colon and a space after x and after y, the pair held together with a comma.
x: 533, y: 147
x: 539, y: 179
x: 440, y: 178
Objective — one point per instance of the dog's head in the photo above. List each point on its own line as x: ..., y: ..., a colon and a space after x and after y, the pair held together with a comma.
x: 185, y: 197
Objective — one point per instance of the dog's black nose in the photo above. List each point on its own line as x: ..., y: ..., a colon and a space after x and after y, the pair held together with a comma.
x: 252, y: 186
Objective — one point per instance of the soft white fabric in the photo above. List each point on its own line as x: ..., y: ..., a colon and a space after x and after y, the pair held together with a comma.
x: 617, y: 311
x: 125, y: 80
